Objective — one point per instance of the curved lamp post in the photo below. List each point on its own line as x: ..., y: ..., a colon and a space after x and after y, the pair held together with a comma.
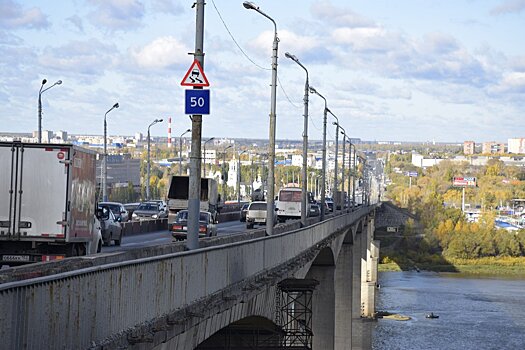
x: 323, y: 184
x: 224, y: 177
x: 343, y: 167
x: 180, y: 150
x: 271, y: 146
x: 44, y: 81
x: 149, y: 163
x: 105, y: 167
x: 304, y: 198
x: 210, y: 139
x: 334, y: 191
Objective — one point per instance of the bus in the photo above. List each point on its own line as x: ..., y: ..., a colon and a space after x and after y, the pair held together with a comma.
x: 288, y: 204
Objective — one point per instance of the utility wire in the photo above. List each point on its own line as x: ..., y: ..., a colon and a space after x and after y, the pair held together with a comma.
x: 285, y: 94
x: 235, y: 41
x: 248, y: 57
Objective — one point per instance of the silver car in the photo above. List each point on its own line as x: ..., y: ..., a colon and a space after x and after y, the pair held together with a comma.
x: 118, y: 210
x: 147, y: 211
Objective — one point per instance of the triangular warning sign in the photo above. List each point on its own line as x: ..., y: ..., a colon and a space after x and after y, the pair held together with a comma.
x: 195, y: 76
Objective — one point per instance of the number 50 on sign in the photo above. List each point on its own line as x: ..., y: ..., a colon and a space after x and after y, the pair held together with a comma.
x: 197, y: 101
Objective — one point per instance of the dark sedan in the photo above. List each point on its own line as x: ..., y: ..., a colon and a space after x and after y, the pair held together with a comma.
x: 243, y: 211
x: 207, y: 226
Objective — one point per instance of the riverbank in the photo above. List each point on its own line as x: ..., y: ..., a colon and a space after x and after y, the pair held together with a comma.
x: 481, y: 266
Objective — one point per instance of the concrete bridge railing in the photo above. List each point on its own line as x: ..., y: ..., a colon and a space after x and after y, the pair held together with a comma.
x: 82, y: 308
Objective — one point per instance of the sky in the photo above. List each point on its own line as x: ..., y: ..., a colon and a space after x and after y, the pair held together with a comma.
x: 404, y: 70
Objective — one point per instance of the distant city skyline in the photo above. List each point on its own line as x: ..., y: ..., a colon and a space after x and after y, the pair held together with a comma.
x: 391, y: 71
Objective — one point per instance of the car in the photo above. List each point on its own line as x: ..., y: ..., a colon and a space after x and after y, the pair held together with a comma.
x: 207, y: 225
x: 130, y: 207
x: 315, y: 209
x: 330, y: 203
x: 243, y: 211
x: 147, y: 211
x: 110, y: 227
x: 162, y: 204
x: 256, y: 214
x: 118, y: 210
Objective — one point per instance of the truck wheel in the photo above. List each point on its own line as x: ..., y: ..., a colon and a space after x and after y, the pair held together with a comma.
x: 117, y: 241
x: 99, y: 246
x: 249, y: 226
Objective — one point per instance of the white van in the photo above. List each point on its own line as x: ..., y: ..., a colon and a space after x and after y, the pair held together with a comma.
x: 289, y: 204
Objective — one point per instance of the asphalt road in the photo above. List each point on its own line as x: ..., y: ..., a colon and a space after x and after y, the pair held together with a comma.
x: 164, y: 237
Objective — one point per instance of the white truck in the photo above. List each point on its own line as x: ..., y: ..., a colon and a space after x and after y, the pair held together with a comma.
x: 47, y: 202
x: 177, y: 197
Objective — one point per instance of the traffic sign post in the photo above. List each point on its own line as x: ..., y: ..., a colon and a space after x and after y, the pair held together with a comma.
x: 197, y: 102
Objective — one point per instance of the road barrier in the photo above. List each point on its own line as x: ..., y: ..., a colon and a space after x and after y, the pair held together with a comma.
x: 82, y: 308
x: 137, y: 227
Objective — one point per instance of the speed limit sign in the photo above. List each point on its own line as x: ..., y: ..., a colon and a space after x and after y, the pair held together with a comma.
x: 197, y: 101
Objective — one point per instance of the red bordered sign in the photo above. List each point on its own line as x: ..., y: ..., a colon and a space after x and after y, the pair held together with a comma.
x: 195, y: 76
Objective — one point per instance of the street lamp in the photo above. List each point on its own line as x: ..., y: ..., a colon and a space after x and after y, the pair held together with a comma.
x: 354, y: 174
x: 180, y: 150
x: 211, y: 138
x: 323, y: 185
x: 239, y: 178
x: 149, y: 163
x: 58, y: 82
x: 105, y: 167
x: 334, y: 191
x: 223, y: 174
x: 304, y: 198
x: 271, y: 146
x: 343, y: 168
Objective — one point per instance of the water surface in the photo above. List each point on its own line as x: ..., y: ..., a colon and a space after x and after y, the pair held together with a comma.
x: 474, y: 312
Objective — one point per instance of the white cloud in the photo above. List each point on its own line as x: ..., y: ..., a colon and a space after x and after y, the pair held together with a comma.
x: 77, y: 22
x: 509, y: 6
x: 117, y: 14
x: 161, y: 53
x: 325, y: 11
x: 168, y: 6
x: 90, y: 57
x: 512, y: 82
x: 295, y: 43
x: 13, y: 16
x: 366, y: 39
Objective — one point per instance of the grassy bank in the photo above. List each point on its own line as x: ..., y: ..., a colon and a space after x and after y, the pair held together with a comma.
x: 481, y: 266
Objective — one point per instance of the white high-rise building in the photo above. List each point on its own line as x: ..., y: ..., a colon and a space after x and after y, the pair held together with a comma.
x: 516, y: 145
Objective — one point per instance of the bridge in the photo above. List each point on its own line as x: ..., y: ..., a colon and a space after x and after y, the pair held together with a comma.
x: 302, y: 288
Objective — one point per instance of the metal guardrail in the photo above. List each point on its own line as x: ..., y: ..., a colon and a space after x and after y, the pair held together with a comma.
x: 81, y: 308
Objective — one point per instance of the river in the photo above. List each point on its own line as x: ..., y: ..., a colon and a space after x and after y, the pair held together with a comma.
x: 474, y: 312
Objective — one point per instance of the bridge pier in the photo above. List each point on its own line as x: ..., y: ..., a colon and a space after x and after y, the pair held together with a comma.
x: 343, y: 297
x: 356, y: 276
x: 369, y: 272
x: 323, y: 306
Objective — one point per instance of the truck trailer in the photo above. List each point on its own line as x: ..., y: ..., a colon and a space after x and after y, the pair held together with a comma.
x: 47, y: 202
x: 178, y: 191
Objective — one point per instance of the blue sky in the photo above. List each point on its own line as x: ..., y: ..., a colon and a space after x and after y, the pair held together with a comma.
x: 406, y: 70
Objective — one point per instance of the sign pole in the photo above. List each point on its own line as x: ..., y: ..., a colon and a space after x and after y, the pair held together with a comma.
x: 194, y: 193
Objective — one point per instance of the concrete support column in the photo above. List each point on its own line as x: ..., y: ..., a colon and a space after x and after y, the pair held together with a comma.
x: 368, y: 295
x: 369, y: 281
x: 323, y: 307
x: 374, y: 259
x: 356, y: 276
x: 343, y: 298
